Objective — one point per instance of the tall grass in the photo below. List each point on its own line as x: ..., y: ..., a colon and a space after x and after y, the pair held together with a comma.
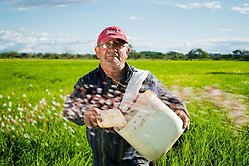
x: 34, y: 132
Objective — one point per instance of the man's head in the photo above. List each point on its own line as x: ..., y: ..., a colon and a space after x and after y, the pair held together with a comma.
x: 112, y: 47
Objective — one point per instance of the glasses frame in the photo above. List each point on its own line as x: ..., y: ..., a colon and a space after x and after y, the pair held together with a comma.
x: 114, y: 45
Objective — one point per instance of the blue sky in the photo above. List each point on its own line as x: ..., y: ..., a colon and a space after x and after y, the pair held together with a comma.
x: 72, y: 26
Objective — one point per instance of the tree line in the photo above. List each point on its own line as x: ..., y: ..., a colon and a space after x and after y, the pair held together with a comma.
x: 198, y: 53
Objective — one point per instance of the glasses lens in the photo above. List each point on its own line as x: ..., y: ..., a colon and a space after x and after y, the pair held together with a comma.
x: 105, y: 46
x: 115, y: 45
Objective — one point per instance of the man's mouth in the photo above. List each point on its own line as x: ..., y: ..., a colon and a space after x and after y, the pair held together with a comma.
x: 113, y: 58
x: 113, y: 55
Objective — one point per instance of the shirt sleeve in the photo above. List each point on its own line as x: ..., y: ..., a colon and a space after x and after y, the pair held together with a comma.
x: 171, y: 100
x: 76, y: 104
x: 88, y: 95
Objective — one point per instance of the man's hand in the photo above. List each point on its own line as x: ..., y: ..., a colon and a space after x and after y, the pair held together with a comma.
x: 184, y: 117
x: 91, y: 116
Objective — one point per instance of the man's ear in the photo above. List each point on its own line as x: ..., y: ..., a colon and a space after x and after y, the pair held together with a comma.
x: 97, y: 52
x: 128, y: 50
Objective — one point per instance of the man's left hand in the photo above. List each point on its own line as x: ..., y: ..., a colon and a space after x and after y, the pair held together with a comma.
x: 184, y: 117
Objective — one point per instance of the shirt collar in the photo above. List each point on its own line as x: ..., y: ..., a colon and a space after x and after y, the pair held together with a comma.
x: 126, y: 75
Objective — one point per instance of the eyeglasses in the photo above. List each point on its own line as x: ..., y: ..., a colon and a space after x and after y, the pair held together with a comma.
x: 115, y: 45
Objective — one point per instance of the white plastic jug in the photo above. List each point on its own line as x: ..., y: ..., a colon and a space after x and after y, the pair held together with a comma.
x: 154, y: 127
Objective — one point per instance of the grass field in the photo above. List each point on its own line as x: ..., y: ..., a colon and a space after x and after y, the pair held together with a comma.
x: 33, y: 131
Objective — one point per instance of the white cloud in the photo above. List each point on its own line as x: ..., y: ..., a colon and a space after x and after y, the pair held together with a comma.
x: 140, y: 43
x: 132, y: 18
x: 208, y: 5
x: 212, y: 45
x: 219, y: 45
x: 189, y: 6
x: 161, y: 2
x: 225, y: 29
x: 243, y: 9
x: 32, y: 4
x: 29, y: 41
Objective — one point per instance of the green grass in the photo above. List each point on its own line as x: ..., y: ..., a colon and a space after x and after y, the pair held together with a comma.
x: 33, y: 131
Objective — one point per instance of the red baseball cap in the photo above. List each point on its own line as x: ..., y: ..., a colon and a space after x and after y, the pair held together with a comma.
x: 112, y: 32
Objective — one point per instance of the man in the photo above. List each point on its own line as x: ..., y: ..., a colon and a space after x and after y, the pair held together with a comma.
x: 103, y: 89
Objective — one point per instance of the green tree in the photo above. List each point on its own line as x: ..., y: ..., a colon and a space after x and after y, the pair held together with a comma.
x: 174, y: 55
x: 241, y: 54
x: 197, y: 54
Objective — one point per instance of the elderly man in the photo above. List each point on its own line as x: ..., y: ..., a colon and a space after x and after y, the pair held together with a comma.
x: 103, y: 89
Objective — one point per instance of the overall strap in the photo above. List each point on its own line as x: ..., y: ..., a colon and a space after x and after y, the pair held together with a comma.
x: 133, y: 88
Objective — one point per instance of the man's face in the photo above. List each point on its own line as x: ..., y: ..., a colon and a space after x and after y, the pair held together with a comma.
x: 112, y: 53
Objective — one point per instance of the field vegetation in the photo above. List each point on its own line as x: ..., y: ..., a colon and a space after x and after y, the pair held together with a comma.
x: 34, y: 132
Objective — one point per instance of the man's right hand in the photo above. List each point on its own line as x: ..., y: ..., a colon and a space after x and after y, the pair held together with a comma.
x: 90, y: 117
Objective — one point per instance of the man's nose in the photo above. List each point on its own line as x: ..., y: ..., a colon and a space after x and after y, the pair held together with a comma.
x: 113, y: 49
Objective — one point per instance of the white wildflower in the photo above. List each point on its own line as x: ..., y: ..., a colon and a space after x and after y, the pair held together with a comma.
x: 10, y: 104
x: 40, y: 117
x: 33, y: 121
x: 64, y: 98
x: 43, y: 101
x: 55, y: 103
x: 35, y: 108
x: 20, y: 109
x: 53, y: 108
x: 26, y: 136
